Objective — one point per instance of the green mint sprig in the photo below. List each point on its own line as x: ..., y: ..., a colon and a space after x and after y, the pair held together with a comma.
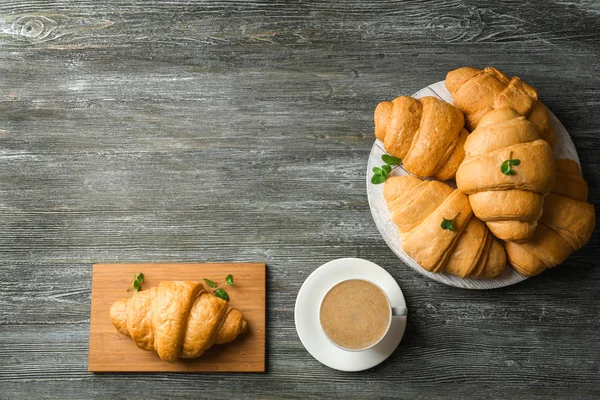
x: 449, y: 224
x: 222, y: 294
x: 380, y: 174
x: 136, y: 283
x: 210, y: 283
x: 218, y: 290
x: 506, y: 167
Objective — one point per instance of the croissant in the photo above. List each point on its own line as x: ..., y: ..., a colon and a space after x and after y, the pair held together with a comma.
x: 510, y: 204
x: 427, y: 134
x: 177, y: 319
x: 566, y: 225
x: 418, y: 208
x: 476, y: 92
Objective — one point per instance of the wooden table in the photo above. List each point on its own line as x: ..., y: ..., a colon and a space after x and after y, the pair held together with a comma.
x: 136, y: 131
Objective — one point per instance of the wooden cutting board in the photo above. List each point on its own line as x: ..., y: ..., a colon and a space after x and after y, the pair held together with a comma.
x: 111, y: 351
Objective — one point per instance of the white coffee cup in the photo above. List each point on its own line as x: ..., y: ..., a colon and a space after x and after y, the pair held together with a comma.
x: 392, y: 311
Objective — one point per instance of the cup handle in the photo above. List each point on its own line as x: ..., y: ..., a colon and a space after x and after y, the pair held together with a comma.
x: 399, y: 311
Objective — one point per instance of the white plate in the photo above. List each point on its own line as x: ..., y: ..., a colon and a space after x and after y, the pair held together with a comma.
x: 564, y: 149
x: 306, y: 314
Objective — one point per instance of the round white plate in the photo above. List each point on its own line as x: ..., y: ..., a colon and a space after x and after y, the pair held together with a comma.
x: 306, y: 314
x: 564, y: 149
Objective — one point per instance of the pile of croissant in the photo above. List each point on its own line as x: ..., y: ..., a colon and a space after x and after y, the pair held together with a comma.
x: 514, y: 201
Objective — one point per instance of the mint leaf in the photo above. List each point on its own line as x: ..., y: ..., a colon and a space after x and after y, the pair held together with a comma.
x: 391, y: 160
x: 210, y: 283
x: 378, y: 178
x: 448, y: 224
x: 136, y: 282
x: 229, y: 280
x: 377, y: 170
x: 506, y: 168
x: 222, y: 294
x: 386, y: 168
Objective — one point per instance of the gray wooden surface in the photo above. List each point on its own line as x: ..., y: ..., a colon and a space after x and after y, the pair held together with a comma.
x: 240, y: 131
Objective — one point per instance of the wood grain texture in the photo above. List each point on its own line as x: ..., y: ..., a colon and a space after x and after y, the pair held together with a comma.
x: 195, y: 131
x: 111, y: 351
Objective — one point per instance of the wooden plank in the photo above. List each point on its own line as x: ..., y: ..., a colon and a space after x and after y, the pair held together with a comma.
x: 110, y: 351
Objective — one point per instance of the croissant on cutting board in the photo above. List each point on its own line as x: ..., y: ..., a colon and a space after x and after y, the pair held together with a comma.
x: 476, y: 92
x: 418, y: 208
x: 177, y: 319
x: 566, y: 225
x: 509, y: 200
x: 427, y: 134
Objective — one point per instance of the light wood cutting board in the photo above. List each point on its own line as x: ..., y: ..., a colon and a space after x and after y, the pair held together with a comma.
x: 111, y: 351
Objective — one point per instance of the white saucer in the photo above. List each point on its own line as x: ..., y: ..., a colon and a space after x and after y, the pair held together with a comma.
x: 306, y: 314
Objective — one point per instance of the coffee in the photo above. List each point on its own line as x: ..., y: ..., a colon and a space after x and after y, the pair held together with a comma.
x: 355, y: 314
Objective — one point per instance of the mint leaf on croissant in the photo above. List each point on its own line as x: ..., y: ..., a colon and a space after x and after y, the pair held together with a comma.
x: 222, y: 294
x: 217, y: 290
x: 506, y: 167
x: 448, y: 224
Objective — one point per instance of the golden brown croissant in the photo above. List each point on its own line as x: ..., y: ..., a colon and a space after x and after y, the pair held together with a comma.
x: 566, y: 225
x: 510, y: 204
x: 177, y: 319
x: 476, y: 92
x: 427, y: 134
x: 418, y: 208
